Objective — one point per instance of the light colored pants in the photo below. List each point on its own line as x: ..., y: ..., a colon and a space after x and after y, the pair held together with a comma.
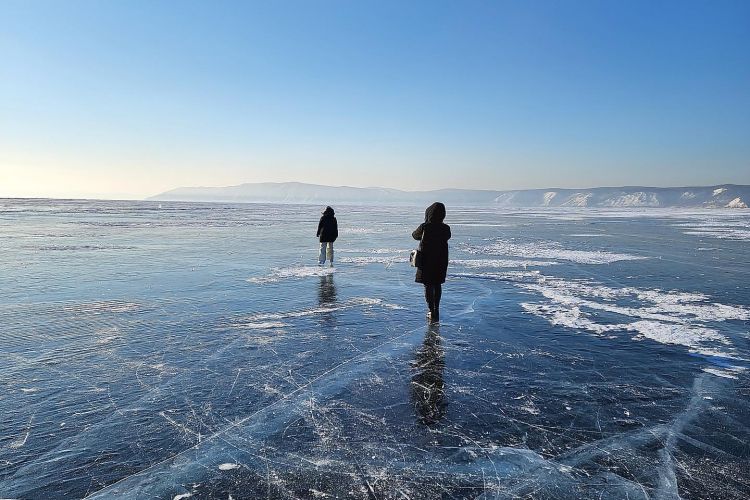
x: 326, y: 248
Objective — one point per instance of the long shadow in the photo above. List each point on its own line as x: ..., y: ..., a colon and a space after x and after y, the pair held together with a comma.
x: 327, y: 297
x: 427, y: 383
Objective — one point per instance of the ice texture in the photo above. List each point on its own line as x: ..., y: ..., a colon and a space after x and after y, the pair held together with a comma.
x: 200, y: 352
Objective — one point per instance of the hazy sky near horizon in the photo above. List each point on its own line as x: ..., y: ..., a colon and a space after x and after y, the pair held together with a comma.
x: 131, y: 98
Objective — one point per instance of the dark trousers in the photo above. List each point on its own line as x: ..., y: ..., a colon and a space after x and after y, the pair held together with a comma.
x: 432, y: 294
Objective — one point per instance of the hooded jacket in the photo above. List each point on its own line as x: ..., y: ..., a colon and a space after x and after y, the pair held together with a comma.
x: 434, y: 236
x: 328, y: 227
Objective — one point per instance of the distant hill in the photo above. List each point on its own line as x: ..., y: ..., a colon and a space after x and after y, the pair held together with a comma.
x: 721, y: 196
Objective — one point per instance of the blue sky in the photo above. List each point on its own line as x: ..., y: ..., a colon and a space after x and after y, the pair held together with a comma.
x: 130, y: 98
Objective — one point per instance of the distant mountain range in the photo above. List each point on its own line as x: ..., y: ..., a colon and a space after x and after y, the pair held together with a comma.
x: 721, y: 196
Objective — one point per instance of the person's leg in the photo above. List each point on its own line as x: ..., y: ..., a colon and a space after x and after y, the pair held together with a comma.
x: 428, y: 296
x: 330, y: 253
x: 322, y: 254
x: 436, y: 294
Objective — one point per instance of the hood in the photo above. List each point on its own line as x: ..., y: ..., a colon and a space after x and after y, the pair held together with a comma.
x: 435, y: 212
x: 328, y: 211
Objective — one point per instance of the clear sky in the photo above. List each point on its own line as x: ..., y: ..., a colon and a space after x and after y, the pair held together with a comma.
x: 130, y: 98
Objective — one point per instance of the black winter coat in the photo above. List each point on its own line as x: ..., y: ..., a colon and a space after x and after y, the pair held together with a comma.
x: 328, y: 227
x: 434, y: 246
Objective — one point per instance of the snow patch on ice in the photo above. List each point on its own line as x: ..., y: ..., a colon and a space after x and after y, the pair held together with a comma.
x: 549, y: 250
x: 513, y: 276
x: 107, y: 340
x: 724, y: 234
x: 387, y: 260
x: 679, y: 334
x: 719, y: 191
x: 282, y: 273
x: 667, y: 317
x: 20, y: 442
x: 371, y: 301
x: 376, y: 251
x: 501, y: 263
x: 734, y: 228
x: 730, y: 372
x: 569, y: 317
x: 359, y: 230
x: 228, y: 466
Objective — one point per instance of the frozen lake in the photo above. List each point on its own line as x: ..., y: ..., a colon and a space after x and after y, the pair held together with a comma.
x: 196, y: 350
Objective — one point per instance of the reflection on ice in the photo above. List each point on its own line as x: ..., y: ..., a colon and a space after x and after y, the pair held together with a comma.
x: 427, y: 384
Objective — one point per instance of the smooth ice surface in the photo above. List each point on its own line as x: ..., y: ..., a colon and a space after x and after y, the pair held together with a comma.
x: 198, y: 351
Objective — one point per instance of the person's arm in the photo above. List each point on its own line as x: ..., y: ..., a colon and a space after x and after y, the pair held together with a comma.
x: 417, y: 234
x: 335, y: 229
x: 448, y: 228
x: 320, y: 227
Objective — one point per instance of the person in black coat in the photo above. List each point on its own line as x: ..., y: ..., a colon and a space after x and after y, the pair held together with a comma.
x: 328, y: 231
x: 434, y: 236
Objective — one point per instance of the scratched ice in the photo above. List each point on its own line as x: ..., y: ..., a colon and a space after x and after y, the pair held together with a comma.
x: 197, y: 351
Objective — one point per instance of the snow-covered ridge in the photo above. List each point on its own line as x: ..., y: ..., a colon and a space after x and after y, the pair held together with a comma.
x: 639, y: 199
x: 736, y: 203
x: 722, y: 196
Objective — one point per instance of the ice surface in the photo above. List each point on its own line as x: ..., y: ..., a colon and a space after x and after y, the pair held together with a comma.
x: 201, y: 353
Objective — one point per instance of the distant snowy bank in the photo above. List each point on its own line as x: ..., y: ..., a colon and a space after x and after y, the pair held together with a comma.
x: 721, y: 196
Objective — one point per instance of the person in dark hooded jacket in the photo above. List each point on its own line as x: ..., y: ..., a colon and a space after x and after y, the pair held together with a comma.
x: 434, y: 236
x: 328, y: 231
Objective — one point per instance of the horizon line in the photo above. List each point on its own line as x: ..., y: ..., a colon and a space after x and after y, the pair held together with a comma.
x: 148, y: 198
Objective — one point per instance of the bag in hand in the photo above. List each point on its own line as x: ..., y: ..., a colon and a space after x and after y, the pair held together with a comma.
x: 415, y: 258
